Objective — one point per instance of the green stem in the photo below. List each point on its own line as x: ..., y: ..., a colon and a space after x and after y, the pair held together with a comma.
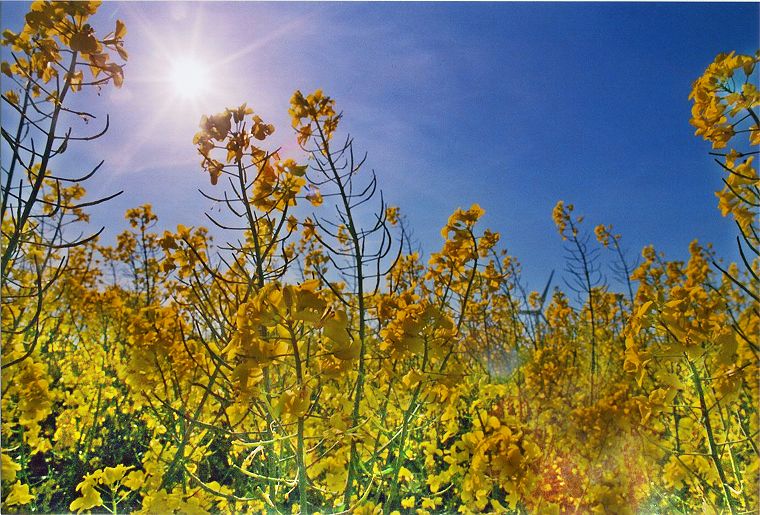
x: 359, y: 264
x: 15, y: 158
x: 464, y: 300
x: 13, y: 242
x: 300, y: 454
x: 402, y: 442
x: 253, y: 224
x: 710, y: 436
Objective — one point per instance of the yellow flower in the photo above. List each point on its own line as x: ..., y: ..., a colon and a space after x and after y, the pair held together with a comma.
x: 12, y: 97
x: 90, y: 497
x: 9, y: 468
x: 19, y: 495
x: 315, y: 197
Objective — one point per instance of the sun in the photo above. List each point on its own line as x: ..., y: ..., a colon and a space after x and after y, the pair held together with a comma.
x: 188, y: 77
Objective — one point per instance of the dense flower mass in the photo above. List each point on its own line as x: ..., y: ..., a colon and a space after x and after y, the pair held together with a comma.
x: 320, y: 364
x: 724, y: 111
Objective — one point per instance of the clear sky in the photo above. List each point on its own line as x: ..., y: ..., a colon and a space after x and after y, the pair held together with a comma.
x: 510, y: 105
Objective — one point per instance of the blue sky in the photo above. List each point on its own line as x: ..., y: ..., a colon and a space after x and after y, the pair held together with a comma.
x: 510, y: 105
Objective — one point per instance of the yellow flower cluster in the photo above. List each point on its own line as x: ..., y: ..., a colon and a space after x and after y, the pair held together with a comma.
x: 290, y: 371
x: 724, y: 107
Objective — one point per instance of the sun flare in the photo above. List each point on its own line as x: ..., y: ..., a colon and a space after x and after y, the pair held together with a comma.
x: 188, y: 77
